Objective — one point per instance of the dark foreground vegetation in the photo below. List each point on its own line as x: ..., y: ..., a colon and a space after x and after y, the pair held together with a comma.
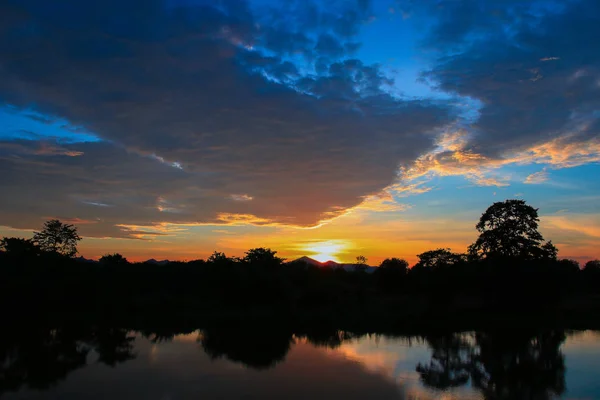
x: 509, y: 271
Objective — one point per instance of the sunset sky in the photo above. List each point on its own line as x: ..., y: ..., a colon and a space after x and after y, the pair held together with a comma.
x: 171, y: 129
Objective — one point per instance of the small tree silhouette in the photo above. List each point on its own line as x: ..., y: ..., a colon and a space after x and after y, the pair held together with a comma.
x: 398, y: 265
x: 113, y: 259
x: 391, y: 273
x: 593, y: 265
x: 217, y: 257
x: 437, y: 259
x: 58, y: 238
x: 262, y: 257
x: 361, y: 263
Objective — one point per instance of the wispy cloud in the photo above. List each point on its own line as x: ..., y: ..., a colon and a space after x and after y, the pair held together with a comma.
x: 585, y: 224
x: 382, y: 202
x: 537, y: 178
x: 241, y: 197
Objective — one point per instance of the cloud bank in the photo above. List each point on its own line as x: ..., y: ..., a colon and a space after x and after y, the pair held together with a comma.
x: 204, y: 109
x: 228, y: 112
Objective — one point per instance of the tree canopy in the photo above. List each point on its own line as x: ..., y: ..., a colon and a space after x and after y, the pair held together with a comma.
x: 19, y: 247
x: 113, y: 259
x: 394, y: 264
x: 263, y: 257
x: 510, y: 229
x: 57, y: 237
x: 436, y: 259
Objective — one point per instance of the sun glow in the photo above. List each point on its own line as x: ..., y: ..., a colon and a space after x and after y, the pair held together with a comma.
x: 325, y: 251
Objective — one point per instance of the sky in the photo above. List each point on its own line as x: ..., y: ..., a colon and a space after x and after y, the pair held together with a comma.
x: 172, y: 129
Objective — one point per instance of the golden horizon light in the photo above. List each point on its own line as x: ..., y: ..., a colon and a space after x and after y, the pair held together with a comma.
x: 328, y: 250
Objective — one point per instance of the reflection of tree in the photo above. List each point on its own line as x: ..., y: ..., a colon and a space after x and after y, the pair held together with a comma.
x: 39, y: 358
x: 502, y: 365
x: 518, y: 366
x: 164, y: 334
x: 114, y: 346
x: 255, y: 349
x: 449, y: 365
x: 331, y: 338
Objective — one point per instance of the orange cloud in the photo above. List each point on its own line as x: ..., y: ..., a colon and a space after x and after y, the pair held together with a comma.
x: 451, y: 157
x: 242, y: 219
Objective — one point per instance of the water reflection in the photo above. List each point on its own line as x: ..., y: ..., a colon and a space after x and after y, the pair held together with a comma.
x: 450, y: 364
x: 252, y: 348
x: 39, y: 357
x: 100, y: 362
x: 501, y: 364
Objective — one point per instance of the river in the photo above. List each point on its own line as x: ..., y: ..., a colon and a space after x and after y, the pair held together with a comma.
x: 248, y: 364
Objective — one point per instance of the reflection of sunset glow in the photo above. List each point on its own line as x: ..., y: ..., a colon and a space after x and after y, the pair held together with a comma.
x: 329, y: 250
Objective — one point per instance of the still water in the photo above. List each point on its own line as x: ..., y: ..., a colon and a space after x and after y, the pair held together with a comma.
x: 245, y: 364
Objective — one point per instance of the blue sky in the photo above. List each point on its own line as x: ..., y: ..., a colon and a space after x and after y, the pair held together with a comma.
x: 385, y: 128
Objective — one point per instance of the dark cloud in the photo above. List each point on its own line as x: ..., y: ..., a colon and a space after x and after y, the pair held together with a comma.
x: 537, y: 77
x: 198, y: 104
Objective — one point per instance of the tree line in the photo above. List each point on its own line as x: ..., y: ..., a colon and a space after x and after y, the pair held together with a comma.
x: 509, y: 267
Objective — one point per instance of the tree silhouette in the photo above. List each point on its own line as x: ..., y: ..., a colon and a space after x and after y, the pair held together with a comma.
x: 113, y: 259
x: 361, y: 260
x: 510, y: 229
x: 262, y: 257
x: 219, y: 258
x: 437, y: 259
x: 360, y: 264
x: 391, y: 273
x: 591, y: 271
x: 593, y: 265
x: 58, y: 238
x: 18, y: 247
x: 394, y: 264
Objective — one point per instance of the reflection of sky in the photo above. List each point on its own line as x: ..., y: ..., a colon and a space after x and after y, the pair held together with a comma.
x: 398, y: 358
x: 582, y: 352
x: 369, y: 367
x: 180, y: 370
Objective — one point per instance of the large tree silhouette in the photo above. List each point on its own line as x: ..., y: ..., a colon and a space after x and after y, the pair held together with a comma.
x: 437, y: 259
x: 510, y: 229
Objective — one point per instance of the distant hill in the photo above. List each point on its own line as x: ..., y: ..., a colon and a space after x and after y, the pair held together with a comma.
x: 309, y: 261
x: 82, y: 259
x: 331, y: 264
x: 156, y: 262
